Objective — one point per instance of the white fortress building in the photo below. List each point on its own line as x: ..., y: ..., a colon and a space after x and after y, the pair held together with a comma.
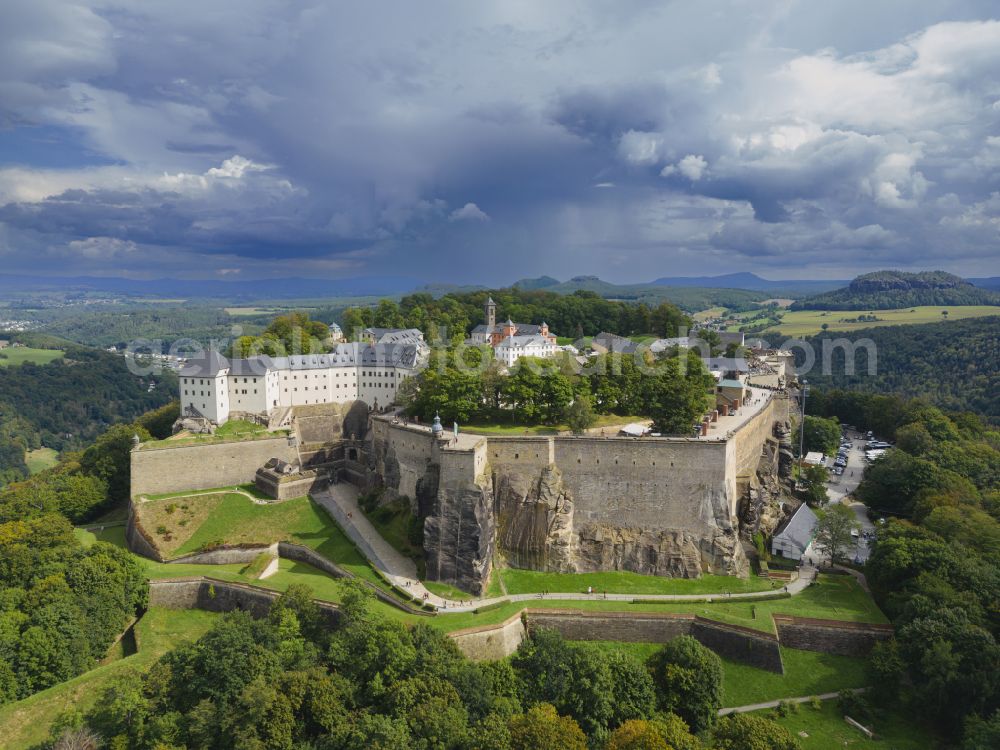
x: 214, y: 387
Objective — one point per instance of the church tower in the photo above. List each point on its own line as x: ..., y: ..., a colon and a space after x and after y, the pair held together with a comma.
x: 491, y: 312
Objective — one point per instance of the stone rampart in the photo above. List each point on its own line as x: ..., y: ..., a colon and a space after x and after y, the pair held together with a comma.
x: 629, y: 627
x: 830, y: 636
x: 491, y: 642
x: 224, y: 556
x: 747, y: 646
x: 220, y: 596
x: 136, y: 537
x: 158, y: 470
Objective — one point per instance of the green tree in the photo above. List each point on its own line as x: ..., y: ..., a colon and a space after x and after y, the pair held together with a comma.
x: 833, y: 531
x: 579, y: 415
x: 677, y: 394
x: 982, y: 734
x: 752, y: 732
x: 688, y: 680
x: 814, y: 479
x: 821, y: 434
x: 109, y: 458
x: 542, y: 727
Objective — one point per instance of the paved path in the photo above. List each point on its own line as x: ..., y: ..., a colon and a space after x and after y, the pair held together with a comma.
x: 774, y: 704
x: 341, y: 502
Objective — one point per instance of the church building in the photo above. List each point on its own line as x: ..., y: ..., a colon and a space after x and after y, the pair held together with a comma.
x: 510, y: 340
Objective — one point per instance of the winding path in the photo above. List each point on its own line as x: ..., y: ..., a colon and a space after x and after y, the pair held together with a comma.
x: 340, y: 501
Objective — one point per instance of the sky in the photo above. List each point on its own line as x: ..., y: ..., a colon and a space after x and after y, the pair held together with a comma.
x: 484, y: 142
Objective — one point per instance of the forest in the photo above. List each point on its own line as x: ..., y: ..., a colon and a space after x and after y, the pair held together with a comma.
x: 575, y: 315
x: 290, y: 682
x: 892, y: 290
x: 934, y: 568
x: 954, y: 365
x: 66, y: 404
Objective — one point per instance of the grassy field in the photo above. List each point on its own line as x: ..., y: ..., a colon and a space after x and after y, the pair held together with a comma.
x: 712, y: 312
x: 831, y: 597
x: 825, y: 729
x: 25, y: 723
x: 809, y: 322
x: 604, y: 420
x: 806, y: 673
x: 620, y: 582
x: 41, y: 459
x: 237, y: 429
x: 18, y: 355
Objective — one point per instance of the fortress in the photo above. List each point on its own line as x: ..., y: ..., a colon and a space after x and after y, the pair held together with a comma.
x: 655, y: 505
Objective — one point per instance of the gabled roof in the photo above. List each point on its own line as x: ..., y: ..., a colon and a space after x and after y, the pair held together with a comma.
x: 798, y: 529
x: 523, y: 341
x: 207, y: 365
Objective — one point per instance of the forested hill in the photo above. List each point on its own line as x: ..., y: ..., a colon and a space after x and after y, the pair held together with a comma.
x: 66, y: 404
x: 891, y: 290
x: 954, y: 365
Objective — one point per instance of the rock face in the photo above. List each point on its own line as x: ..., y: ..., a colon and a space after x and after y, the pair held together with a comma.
x: 458, y: 537
x: 673, y: 553
x: 535, y: 522
x: 786, y: 458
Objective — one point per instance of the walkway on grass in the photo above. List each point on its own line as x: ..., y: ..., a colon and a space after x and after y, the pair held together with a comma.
x: 341, y: 502
x: 775, y: 704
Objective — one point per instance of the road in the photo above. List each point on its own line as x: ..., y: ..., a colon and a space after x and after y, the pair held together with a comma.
x: 840, y: 490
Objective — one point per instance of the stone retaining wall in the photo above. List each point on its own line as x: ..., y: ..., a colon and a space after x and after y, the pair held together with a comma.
x: 491, y: 642
x: 221, y: 596
x: 225, y: 555
x: 165, y: 468
x: 747, y: 646
x: 830, y: 636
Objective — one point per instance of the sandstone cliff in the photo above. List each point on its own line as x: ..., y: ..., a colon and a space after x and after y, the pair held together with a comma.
x: 535, y: 521
x: 458, y: 537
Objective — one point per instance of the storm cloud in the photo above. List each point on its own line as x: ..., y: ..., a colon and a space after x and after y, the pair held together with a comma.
x: 490, y: 141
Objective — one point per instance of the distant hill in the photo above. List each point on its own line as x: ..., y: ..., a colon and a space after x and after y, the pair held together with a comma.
x: 752, y: 282
x: 281, y: 288
x: 889, y: 290
x: 990, y: 282
x: 542, y: 282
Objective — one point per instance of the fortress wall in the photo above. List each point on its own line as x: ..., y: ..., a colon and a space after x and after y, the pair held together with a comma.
x: 644, y: 483
x: 201, y: 467
x: 744, y: 645
x: 830, y: 636
x: 411, y: 448
x: 746, y: 444
x: 491, y: 642
x: 221, y: 596
x: 520, y: 455
x: 629, y: 627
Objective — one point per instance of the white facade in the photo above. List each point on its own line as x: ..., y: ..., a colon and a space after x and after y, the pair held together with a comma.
x: 513, y: 348
x: 213, y: 387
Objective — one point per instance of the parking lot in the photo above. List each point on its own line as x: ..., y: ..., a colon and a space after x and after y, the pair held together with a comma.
x: 839, y: 490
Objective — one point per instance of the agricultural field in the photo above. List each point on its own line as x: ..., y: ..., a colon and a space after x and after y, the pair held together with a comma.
x: 41, y: 459
x: 26, y: 722
x: 801, y: 323
x: 18, y: 355
x: 712, y: 312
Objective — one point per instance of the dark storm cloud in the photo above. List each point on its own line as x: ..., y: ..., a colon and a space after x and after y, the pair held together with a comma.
x: 627, y: 140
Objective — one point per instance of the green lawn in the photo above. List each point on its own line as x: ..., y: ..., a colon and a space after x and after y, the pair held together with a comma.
x: 25, y: 723
x: 712, y: 312
x: 18, y: 355
x: 620, y: 582
x: 809, y: 322
x: 825, y: 729
x: 806, y: 673
x: 41, y: 459
x: 232, y: 431
x: 832, y: 597
x: 603, y: 420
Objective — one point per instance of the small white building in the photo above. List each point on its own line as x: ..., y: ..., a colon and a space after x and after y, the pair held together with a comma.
x: 795, y: 534
x: 814, y: 458
x: 513, y: 348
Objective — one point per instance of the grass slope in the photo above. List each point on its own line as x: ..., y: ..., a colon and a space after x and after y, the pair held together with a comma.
x: 26, y: 723
x: 806, y: 673
x: 18, y: 355
x: 41, y: 459
x: 623, y: 582
x: 825, y: 729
